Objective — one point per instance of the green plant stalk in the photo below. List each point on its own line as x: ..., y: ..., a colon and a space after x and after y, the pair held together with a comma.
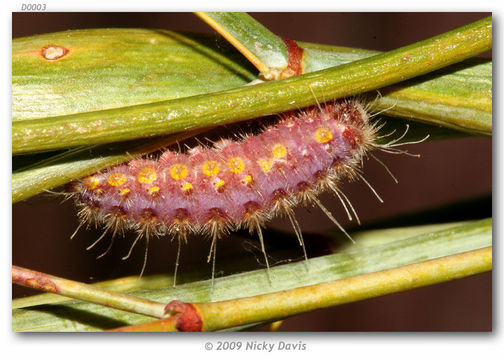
x: 363, y: 239
x: 238, y: 312
x: 253, y: 101
x: 427, y: 246
x: 125, y: 284
x: 450, y: 102
x: 199, y: 64
x: 110, y: 68
x: 63, y: 168
x: 446, y: 104
x: 266, y: 51
x: 93, y: 294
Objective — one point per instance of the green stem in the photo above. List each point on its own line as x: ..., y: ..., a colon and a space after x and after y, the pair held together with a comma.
x: 253, y: 101
x: 92, y: 294
x: 378, y: 251
x: 199, y: 64
x: 238, y: 312
x: 363, y: 239
x: 266, y: 51
x: 124, y: 284
x: 452, y: 102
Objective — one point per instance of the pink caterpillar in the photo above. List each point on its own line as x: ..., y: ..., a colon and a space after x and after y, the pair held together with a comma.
x: 235, y: 184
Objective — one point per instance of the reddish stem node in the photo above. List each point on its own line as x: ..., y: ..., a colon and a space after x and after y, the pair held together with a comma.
x: 295, y: 66
x: 189, y: 319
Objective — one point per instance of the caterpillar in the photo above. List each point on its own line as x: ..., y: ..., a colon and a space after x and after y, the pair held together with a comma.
x: 232, y: 185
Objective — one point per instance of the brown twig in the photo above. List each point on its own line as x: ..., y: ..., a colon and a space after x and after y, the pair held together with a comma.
x: 74, y: 289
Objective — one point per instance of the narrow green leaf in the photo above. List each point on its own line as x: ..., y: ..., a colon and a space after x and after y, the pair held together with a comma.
x: 458, y: 97
x: 111, y: 68
x: 253, y: 101
x: 223, y: 315
x: 259, y: 45
x: 364, y: 239
x: 381, y: 255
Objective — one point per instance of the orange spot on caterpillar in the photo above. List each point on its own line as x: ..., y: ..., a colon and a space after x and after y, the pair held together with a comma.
x: 265, y: 164
x: 247, y: 180
x: 236, y: 165
x: 279, y: 151
x: 178, y: 171
x: 91, y: 182
x: 219, y: 185
x: 147, y: 175
x: 124, y: 192
x: 153, y: 191
x: 323, y: 135
x: 116, y: 179
x: 211, y: 168
x: 187, y: 188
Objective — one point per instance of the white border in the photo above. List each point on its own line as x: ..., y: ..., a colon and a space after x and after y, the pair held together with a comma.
x: 174, y: 346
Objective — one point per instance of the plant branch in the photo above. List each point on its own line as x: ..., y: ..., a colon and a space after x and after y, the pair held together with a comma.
x: 253, y: 101
x: 201, y: 64
x: 451, y: 102
x: 363, y: 239
x: 85, y: 292
x: 374, y: 251
x: 238, y: 312
x: 265, y: 50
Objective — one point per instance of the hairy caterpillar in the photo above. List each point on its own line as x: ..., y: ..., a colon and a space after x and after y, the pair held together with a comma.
x: 450, y: 170
x: 235, y: 184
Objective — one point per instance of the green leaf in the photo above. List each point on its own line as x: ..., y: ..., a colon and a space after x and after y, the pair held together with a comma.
x: 459, y: 97
x: 243, y: 103
x: 260, y: 46
x: 111, y: 68
x: 374, y: 251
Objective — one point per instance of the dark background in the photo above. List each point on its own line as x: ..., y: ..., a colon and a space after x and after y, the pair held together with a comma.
x: 449, y: 171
